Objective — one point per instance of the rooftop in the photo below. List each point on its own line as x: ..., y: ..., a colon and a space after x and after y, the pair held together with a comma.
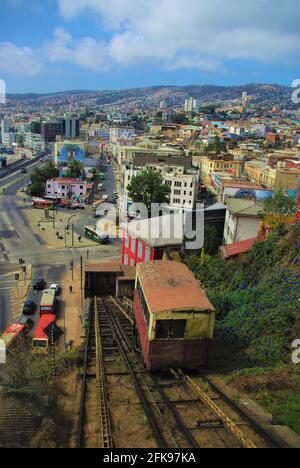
x: 160, y: 231
x: 243, y: 207
x: 171, y: 286
x: 237, y: 248
x: 68, y: 181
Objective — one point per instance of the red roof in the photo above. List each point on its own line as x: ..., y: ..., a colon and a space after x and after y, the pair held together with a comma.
x: 171, y: 286
x: 12, y: 333
x: 45, y: 320
x: 237, y: 248
x: 15, y: 329
x: 69, y: 181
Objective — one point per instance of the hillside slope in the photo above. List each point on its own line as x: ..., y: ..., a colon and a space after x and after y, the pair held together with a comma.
x: 257, y: 298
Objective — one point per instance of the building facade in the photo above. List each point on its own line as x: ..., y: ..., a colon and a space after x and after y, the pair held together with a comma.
x: 70, y: 128
x: 242, y: 220
x: 66, y: 188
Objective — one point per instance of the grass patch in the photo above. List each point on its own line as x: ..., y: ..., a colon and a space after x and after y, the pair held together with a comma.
x: 276, y: 390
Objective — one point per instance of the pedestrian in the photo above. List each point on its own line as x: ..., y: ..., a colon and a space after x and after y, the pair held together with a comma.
x: 71, y: 289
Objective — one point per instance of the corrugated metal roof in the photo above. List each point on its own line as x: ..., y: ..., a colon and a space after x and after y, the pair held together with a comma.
x: 237, y: 248
x: 243, y: 207
x: 160, y: 231
x: 171, y: 286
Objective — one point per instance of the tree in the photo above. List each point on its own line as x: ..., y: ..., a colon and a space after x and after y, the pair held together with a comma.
x: 278, y: 209
x: 148, y: 187
x: 211, y: 242
x: 75, y: 170
x: 39, y: 177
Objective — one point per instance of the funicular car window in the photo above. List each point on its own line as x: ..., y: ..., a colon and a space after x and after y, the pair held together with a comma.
x: 170, y: 329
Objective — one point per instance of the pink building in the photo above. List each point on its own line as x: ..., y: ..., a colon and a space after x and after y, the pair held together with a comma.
x: 66, y: 188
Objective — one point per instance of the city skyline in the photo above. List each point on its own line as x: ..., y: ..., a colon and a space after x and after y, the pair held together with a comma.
x: 54, y: 45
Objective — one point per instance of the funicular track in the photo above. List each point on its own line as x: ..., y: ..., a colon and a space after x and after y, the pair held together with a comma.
x: 218, y: 413
x: 182, y: 411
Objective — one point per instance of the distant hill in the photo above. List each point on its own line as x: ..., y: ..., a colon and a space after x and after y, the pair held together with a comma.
x: 173, y: 95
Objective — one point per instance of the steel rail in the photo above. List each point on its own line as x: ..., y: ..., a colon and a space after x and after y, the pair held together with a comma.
x: 259, y: 429
x: 105, y: 437
x: 228, y: 423
x: 159, y: 438
x: 168, y: 403
x: 83, y: 385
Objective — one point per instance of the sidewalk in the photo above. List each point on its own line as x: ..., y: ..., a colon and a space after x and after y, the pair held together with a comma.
x: 72, y: 305
x: 71, y: 309
x: 19, y: 293
x: 47, y: 228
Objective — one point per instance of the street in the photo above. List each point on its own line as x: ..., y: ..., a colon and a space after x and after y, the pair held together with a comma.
x: 17, y: 240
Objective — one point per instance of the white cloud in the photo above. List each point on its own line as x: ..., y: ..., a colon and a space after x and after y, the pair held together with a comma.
x: 169, y: 34
x: 85, y: 52
x: 19, y: 60
x: 213, y: 31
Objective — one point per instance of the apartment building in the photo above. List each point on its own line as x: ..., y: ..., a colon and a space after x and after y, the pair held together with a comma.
x: 127, y: 153
x: 286, y: 178
x: 242, y: 220
x: 35, y: 142
x: 184, y: 184
x: 212, y: 164
x: 184, y: 189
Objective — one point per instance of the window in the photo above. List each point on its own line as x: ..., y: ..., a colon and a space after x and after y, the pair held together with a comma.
x: 143, y: 302
x: 81, y: 187
x: 140, y: 250
x: 177, y: 192
x: 125, y: 259
x: 133, y: 245
x: 127, y: 241
x: 147, y: 254
x: 170, y: 329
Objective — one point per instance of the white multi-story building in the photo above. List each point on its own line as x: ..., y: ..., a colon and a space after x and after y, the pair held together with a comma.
x: 192, y: 105
x: 35, y: 142
x: 8, y: 139
x: 184, y: 186
x: 5, y: 126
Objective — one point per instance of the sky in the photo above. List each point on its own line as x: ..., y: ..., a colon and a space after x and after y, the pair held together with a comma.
x: 56, y: 45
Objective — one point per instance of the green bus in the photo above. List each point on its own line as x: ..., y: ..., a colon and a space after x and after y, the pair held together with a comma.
x: 90, y: 233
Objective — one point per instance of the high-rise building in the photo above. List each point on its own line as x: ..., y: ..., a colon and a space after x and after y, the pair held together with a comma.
x: 245, y: 100
x: 192, y: 105
x: 50, y: 130
x: 5, y: 126
x: 70, y: 128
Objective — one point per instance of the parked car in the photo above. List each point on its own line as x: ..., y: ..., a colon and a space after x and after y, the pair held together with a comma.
x: 39, y: 284
x: 56, y: 288
x: 29, y: 308
x: 23, y: 171
x: 26, y: 321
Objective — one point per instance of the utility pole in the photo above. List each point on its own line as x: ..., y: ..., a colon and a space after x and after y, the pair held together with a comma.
x: 81, y: 279
x: 72, y: 235
x: 72, y: 270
